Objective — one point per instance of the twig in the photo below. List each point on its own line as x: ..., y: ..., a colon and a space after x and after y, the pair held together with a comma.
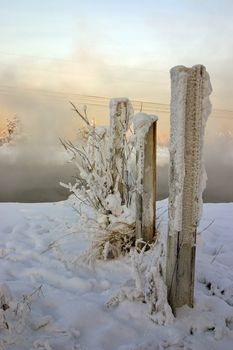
x: 219, y: 250
x: 84, y: 118
x: 55, y: 242
x: 205, y: 228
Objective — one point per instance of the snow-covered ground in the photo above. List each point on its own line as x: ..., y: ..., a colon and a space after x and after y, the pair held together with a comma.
x: 57, y: 304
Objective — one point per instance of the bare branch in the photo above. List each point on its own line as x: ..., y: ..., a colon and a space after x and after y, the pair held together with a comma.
x: 83, y: 117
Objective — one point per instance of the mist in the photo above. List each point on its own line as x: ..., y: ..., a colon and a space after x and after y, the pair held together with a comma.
x: 32, y: 172
x: 29, y: 173
x: 219, y: 167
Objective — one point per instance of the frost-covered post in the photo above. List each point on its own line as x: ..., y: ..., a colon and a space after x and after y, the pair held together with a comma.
x: 120, y: 112
x: 190, y: 107
x: 145, y: 131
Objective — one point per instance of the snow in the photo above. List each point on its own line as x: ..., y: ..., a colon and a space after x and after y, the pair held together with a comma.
x: 179, y: 83
x: 124, y: 100
x: 206, y: 110
x: 141, y: 124
x: 177, y: 142
x: 121, y: 113
x: 62, y: 306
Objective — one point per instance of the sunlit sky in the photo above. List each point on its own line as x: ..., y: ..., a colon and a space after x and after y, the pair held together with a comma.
x: 53, y: 50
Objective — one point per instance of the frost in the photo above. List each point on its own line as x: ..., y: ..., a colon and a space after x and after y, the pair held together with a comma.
x: 147, y: 284
x: 177, y: 142
x: 121, y: 113
x: 15, y: 318
x: 74, y: 297
x: 103, y: 184
x: 206, y: 110
x: 155, y: 287
x: 113, y: 204
x: 179, y: 82
x: 141, y: 123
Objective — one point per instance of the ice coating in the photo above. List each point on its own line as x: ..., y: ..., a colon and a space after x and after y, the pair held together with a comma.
x: 178, y: 108
x: 141, y: 123
x: 179, y: 80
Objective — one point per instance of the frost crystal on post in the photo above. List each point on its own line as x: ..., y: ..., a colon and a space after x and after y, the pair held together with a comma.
x: 121, y: 111
x: 190, y: 107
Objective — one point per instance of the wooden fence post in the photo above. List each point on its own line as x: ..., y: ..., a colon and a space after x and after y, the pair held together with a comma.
x: 120, y: 112
x: 145, y: 130
x: 190, y: 107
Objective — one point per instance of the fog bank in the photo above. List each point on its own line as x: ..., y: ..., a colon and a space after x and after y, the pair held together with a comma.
x: 219, y: 168
x: 31, y: 173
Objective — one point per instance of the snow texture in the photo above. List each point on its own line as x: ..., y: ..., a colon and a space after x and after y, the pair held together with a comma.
x: 141, y: 124
x: 121, y: 113
x: 206, y: 110
x: 102, y: 183
x: 177, y: 142
x: 179, y: 81
x: 68, y: 313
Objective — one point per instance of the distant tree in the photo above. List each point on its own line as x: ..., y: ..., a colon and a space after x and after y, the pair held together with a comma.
x: 12, y: 132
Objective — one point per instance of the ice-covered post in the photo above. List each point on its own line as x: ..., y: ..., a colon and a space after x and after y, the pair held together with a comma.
x: 145, y: 131
x: 190, y: 107
x: 120, y: 112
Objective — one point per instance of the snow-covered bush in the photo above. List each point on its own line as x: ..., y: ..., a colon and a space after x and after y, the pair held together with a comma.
x: 111, y: 222
x: 148, y: 282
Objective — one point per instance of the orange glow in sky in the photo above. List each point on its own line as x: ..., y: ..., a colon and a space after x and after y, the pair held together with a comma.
x: 96, y: 49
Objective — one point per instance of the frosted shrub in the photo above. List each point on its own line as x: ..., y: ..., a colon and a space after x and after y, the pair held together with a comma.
x: 111, y: 222
x: 15, y: 315
x: 147, y: 284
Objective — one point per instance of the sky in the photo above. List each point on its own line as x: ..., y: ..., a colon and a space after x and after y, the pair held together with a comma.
x: 53, y: 51
x: 56, y: 51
